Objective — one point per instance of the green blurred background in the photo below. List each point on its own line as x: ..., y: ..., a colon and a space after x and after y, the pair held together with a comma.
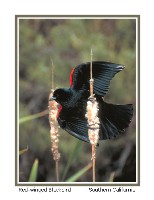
x: 68, y: 43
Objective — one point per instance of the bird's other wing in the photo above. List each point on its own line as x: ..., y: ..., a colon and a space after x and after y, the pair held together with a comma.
x: 73, y: 125
x: 114, y: 119
x: 102, y: 73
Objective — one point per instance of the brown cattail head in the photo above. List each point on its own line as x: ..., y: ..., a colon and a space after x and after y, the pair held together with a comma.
x: 53, y: 109
x: 93, y: 121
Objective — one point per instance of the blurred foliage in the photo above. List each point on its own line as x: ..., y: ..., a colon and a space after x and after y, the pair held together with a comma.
x: 68, y: 43
x: 75, y: 151
x: 77, y: 175
x: 35, y: 116
x: 34, y: 171
x: 23, y: 151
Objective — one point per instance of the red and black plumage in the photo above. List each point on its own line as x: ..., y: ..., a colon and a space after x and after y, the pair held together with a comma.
x: 114, y: 119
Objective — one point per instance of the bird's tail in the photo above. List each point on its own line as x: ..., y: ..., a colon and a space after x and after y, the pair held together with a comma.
x: 114, y: 119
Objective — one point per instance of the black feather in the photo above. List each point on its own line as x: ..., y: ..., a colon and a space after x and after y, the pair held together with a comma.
x: 103, y: 72
x: 114, y: 119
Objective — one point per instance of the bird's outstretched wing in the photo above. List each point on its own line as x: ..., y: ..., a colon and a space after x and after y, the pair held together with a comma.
x: 74, y: 126
x: 78, y: 128
x: 111, y: 124
x: 102, y: 73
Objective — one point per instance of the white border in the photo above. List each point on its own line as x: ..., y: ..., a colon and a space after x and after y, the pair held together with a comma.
x: 137, y: 121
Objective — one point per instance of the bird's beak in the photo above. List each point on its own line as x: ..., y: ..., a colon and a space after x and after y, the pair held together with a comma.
x: 52, y: 98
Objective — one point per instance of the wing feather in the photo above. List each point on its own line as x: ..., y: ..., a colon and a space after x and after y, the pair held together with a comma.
x: 76, y: 127
x: 103, y: 72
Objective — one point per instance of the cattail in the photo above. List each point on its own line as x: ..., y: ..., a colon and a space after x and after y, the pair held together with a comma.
x: 54, y: 127
x: 92, y: 120
x: 93, y: 129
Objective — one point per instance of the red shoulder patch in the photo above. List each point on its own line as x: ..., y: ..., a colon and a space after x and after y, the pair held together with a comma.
x: 71, y: 77
x: 59, y: 110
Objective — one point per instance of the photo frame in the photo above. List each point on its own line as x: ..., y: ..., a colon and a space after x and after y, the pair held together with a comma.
x: 22, y: 54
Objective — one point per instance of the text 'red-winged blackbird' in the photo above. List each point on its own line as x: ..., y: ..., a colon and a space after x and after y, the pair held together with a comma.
x: 114, y: 119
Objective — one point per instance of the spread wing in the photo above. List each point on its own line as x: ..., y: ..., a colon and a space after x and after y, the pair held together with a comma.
x: 102, y: 73
x: 74, y: 125
x: 78, y: 128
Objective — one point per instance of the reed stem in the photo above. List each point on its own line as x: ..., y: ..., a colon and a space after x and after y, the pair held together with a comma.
x: 57, y: 170
x: 92, y: 96
x: 93, y: 162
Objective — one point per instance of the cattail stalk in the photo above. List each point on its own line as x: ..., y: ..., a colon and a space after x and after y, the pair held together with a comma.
x: 91, y: 77
x: 54, y: 132
x: 93, y: 121
x: 54, y: 128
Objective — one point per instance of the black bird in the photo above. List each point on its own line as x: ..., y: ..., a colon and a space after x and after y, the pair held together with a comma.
x: 114, y: 119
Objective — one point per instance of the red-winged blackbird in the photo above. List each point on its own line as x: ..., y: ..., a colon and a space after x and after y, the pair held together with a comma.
x: 114, y: 119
